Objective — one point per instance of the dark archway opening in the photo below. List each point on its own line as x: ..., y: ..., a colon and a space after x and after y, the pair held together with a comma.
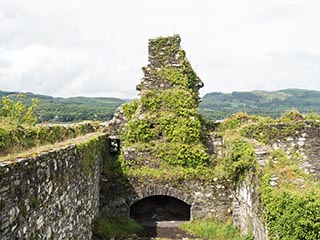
x: 161, y: 216
x: 160, y: 208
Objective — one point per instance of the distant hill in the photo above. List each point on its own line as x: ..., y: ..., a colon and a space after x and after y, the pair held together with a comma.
x: 215, y: 105
x: 218, y: 105
x: 73, y: 109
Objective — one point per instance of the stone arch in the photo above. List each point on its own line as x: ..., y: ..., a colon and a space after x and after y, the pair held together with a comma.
x: 150, y: 191
x: 164, y: 190
x: 160, y: 208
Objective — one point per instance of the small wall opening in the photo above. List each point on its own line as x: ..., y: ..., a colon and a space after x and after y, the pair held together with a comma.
x: 114, y: 146
x: 160, y: 208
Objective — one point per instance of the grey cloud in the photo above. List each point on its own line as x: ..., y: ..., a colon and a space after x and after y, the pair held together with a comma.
x: 79, y: 47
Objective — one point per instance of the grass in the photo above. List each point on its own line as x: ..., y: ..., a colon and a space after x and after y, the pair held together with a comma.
x: 173, y: 173
x: 214, y: 230
x: 109, y: 226
x: 10, y: 158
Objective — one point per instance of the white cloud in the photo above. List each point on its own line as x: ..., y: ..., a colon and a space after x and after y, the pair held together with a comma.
x: 82, y: 47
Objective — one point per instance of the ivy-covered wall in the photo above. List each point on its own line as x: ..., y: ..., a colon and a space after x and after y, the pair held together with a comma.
x: 273, y: 165
x: 164, y: 123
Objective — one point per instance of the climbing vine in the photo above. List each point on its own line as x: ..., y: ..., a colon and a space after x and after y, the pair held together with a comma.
x: 239, y: 161
x: 167, y: 126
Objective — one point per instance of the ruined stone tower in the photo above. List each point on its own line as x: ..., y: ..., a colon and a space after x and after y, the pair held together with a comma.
x: 164, y: 127
x: 166, y: 58
x: 162, y: 152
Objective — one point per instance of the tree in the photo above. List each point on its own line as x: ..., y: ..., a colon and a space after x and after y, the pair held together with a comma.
x: 17, y: 113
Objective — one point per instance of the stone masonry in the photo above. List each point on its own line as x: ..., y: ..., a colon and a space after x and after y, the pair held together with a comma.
x: 49, y: 196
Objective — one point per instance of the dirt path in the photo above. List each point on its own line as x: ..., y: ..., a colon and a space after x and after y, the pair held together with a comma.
x: 164, y: 229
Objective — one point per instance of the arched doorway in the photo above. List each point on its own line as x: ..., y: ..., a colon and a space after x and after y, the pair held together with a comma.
x: 160, y: 208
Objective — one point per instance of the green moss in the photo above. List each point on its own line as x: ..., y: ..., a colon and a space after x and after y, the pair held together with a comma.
x: 139, y: 130
x: 35, y: 202
x: 174, y: 174
x: 87, y: 152
x: 167, y: 129
x: 237, y: 120
x: 112, y: 165
x: 109, y: 226
x: 164, y: 48
x: 269, y: 133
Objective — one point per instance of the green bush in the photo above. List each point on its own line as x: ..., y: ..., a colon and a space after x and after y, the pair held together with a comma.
x: 16, y: 138
x: 17, y: 113
x: 240, y: 160
x: 291, y: 116
x: 291, y: 215
x: 4, y: 139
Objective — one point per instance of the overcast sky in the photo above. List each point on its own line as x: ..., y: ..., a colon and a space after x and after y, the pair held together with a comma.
x: 97, y: 47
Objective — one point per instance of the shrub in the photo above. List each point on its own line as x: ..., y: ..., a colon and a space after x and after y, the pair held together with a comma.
x: 290, y: 214
x: 240, y: 160
x: 17, y: 112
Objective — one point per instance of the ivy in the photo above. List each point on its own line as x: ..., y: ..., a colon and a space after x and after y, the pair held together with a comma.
x: 240, y: 160
x: 176, y: 154
x: 178, y: 101
x: 167, y: 127
x: 139, y: 130
x: 129, y: 109
x: 175, y: 76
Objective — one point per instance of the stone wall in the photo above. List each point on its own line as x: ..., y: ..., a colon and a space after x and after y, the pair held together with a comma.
x: 306, y: 142
x: 247, y: 206
x: 247, y: 209
x: 207, y: 198
x: 50, y: 196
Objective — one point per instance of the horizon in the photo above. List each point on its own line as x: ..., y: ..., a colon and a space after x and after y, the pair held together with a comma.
x: 255, y: 90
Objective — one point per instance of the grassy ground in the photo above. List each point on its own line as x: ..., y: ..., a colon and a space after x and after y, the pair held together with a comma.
x: 214, y: 230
